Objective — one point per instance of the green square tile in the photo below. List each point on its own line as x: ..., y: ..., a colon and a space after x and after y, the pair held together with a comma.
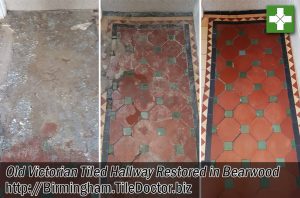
x: 244, y: 99
x: 281, y: 61
x: 161, y: 131
x: 144, y: 115
x: 171, y: 37
x: 159, y: 100
x: 293, y: 143
x: 129, y: 48
x: 259, y: 113
x: 128, y: 73
x: 157, y: 74
x: 257, y: 86
x: 242, y: 52
x: 270, y: 73
x: 288, y: 112
x: 268, y: 51
x: 173, y: 86
x: 127, y: 131
x: 127, y: 100
x: 111, y: 149
x: 285, y: 85
x: 179, y: 149
x: 276, y: 128
x: 157, y: 49
x: 215, y: 100
x: 256, y: 63
x: 143, y: 61
x: 280, y: 162
x: 264, y: 182
x: 273, y: 99
x: 176, y: 115
x: 228, y: 87
x: 241, y: 33
x: 144, y: 86
x: 244, y: 128
x: 144, y: 148
x: 243, y: 74
x: 186, y: 72
x: 229, y: 42
x: 228, y: 114
x: 217, y: 74
x: 114, y: 85
x: 262, y: 145
x: 228, y: 183
x: 217, y: 52
x: 254, y: 41
x: 172, y: 60
x: 227, y: 146
x: 229, y: 63
x: 193, y: 132
x: 298, y: 181
x: 112, y: 115
x: 214, y: 129
x: 245, y: 163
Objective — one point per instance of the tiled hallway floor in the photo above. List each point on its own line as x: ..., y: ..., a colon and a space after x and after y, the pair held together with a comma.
x: 252, y: 115
x: 151, y: 110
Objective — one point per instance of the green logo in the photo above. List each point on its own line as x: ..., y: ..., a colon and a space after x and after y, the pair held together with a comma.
x: 280, y: 19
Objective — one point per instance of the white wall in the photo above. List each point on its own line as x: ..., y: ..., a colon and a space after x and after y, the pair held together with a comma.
x: 51, y: 4
x: 2, y: 9
x: 148, y: 5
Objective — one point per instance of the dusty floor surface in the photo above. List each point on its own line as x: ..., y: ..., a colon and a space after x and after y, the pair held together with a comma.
x: 48, y: 87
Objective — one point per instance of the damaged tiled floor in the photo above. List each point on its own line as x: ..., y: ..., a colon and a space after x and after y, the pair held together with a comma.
x: 48, y: 87
x: 151, y: 102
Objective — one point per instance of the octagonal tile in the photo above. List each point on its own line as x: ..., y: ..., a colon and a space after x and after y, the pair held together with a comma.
x: 287, y: 128
x: 244, y: 113
x: 257, y: 74
x: 261, y: 129
x: 272, y: 86
x: 275, y: 113
x: 171, y: 48
x: 279, y: 145
x: 217, y: 147
x: 243, y: 63
x: 144, y: 102
x: 229, y: 52
x: 159, y: 113
x: 228, y: 100
x: 245, y: 146
x: 228, y: 129
x: 162, y: 148
x: 228, y: 156
x: 262, y: 156
x: 229, y: 75
x: 243, y: 86
x: 126, y: 149
x: 242, y: 42
x: 258, y: 99
x: 144, y: 132
x: 219, y: 87
x: 218, y: 113
x: 157, y: 37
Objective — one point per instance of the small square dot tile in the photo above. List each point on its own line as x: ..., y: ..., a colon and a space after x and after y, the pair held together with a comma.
x: 173, y: 86
x: 268, y: 51
x: 176, y: 115
x: 244, y: 128
x: 228, y: 42
x: 127, y: 131
x: 242, y: 52
x: 281, y: 61
x: 157, y: 49
x: 143, y: 61
x: 241, y: 33
x: 229, y: 63
x: 264, y: 182
x: 217, y: 52
x: 254, y: 41
x: 259, y: 113
x: 256, y: 63
x: 217, y: 75
x: 227, y: 146
x: 293, y: 143
x: 171, y: 37
x: 288, y: 112
x: 244, y: 99
x: 127, y: 100
x: 270, y: 73
x: 128, y: 73
x: 144, y: 115
x: 112, y: 115
x: 144, y: 148
x: 228, y: 114
x: 159, y: 100
x: 228, y: 87
x: 157, y: 74
x: 111, y: 149
x: 161, y: 131
x: 245, y: 163
x: 214, y: 129
x: 257, y: 86
x: 280, y: 161
x: 243, y: 74
x: 262, y: 145
x: 273, y: 99
x: 285, y: 85
x: 144, y: 86
x: 114, y: 85
x: 179, y: 150
x: 215, y: 100
x: 129, y: 48
x: 193, y: 132
x: 276, y: 128
x: 186, y: 72
x: 172, y: 60
x: 228, y: 183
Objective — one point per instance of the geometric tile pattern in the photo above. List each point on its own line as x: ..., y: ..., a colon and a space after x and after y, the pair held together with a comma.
x: 251, y: 117
x: 153, y: 112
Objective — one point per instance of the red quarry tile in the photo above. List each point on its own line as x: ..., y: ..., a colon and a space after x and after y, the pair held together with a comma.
x: 259, y: 99
x: 243, y: 63
x: 174, y: 102
x: 279, y: 145
x: 275, y: 113
x: 221, y: 64
x: 255, y: 51
x: 187, y: 115
x: 287, y: 128
x: 229, y: 52
x: 217, y: 147
x: 228, y: 129
x: 228, y: 100
x: 144, y: 102
x: 126, y: 149
x: 272, y: 86
x: 243, y: 86
x: 157, y: 37
x: 160, y: 113
x: 255, y: 30
x: 283, y: 98
x: 171, y: 48
x: 269, y: 41
x: 244, y: 113
x: 229, y: 75
x: 116, y: 131
x: 280, y: 73
x: 159, y: 87
x: 146, y: 157
x: 124, y: 114
x: 291, y: 156
x: 269, y: 62
x: 228, y: 32
x: 229, y: 156
x: 218, y: 113
x: 144, y: 132
x: 162, y: 148
x: 128, y: 86
x: 261, y: 129
x: 143, y: 73
x: 219, y: 87
x: 245, y: 146
x: 175, y: 72
x: 242, y: 42
x: 189, y: 149
x: 263, y: 156
x: 257, y: 74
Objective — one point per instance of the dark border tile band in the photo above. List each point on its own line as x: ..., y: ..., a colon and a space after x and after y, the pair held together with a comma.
x: 236, y: 12
x: 146, y: 14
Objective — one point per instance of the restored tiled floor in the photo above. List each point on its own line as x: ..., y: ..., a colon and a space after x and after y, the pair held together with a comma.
x: 251, y: 119
x: 152, y: 109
